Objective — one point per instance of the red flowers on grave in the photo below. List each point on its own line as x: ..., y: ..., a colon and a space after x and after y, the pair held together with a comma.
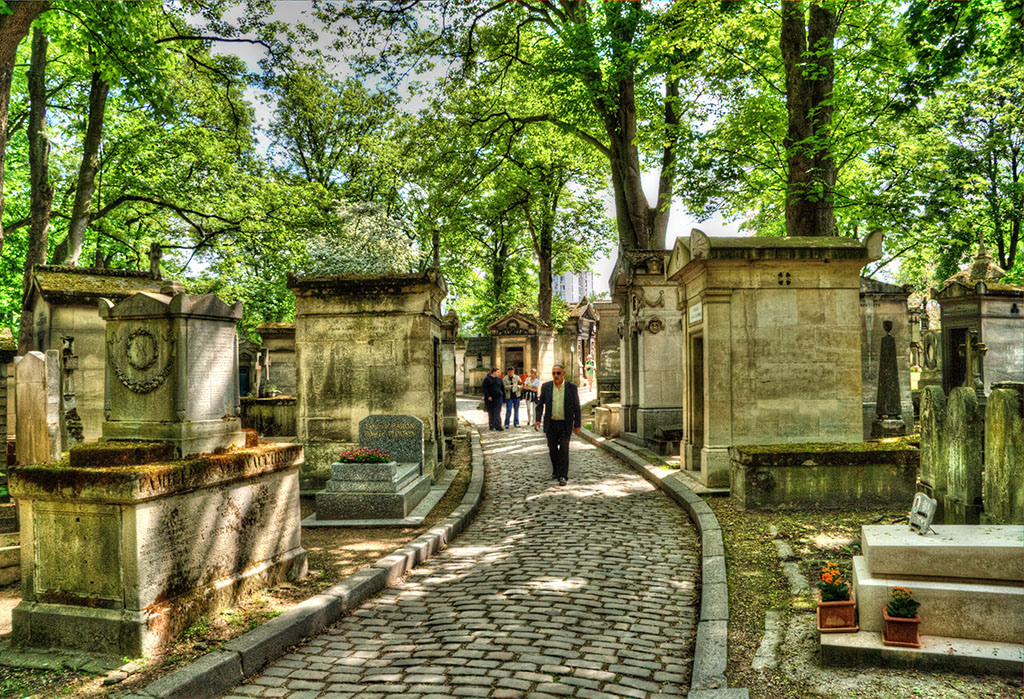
x: 837, y: 613
x: 364, y: 455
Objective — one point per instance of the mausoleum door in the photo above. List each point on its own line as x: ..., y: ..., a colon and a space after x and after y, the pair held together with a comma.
x: 695, y: 382
x: 514, y: 358
x: 956, y: 364
x: 243, y: 380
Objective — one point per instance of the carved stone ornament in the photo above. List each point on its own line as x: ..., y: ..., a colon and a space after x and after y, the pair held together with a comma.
x: 655, y: 326
x: 700, y: 246
x: 135, y: 355
x: 930, y: 340
x: 621, y: 329
x: 656, y: 303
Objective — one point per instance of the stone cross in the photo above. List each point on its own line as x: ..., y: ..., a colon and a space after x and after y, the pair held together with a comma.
x: 71, y: 423
x: 262, y: 372
x: 972, y: 351
x: 155, y: 253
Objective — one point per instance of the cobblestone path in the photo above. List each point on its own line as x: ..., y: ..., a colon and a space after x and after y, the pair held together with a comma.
x: 585, y: 590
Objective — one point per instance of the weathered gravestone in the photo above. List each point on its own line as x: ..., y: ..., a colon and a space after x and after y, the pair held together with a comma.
x: 37, y: 407
x: 1003, y: 485
x: 378, y: 491
x: 964, y: 454
x: 172, y: 371
x: 126, y: 545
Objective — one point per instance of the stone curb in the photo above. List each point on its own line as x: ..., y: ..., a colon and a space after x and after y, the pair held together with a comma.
x: 710, y: 651
x: 215, y: 673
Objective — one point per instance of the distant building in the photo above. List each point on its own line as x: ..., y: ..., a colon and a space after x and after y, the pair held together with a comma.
x: 573, y: 287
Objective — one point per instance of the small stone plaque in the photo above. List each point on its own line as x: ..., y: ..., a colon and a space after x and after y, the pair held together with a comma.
x: 399, y: 435
x: 696, y: 313
x: 921, y: 513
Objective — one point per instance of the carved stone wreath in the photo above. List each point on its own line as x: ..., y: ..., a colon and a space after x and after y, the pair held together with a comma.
x: 141, y: 350
x: 655, y: 326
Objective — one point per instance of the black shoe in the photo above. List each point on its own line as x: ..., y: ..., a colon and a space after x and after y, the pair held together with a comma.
x: 563, y: 481
x: 554, y: 477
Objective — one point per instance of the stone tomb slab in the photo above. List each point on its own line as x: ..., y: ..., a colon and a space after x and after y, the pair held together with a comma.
x: 986, y: 611
x: 154, y: 547
x: 968, y: 551
x: 415, y: 517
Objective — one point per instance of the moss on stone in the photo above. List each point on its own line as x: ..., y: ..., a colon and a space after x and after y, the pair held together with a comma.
x: 119, y: 454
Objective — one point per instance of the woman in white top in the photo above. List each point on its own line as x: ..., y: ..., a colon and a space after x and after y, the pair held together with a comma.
x: 531, y: 392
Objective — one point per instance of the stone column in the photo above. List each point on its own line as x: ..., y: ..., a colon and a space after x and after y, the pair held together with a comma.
x: 449, y: 331
x: 718, y: 389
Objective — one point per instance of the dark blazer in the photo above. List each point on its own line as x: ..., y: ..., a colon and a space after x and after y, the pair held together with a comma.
x: 572, y: 404
x: 493, y: 388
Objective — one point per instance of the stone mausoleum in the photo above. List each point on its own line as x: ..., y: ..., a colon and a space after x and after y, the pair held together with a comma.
x: 650, y: 336
x: 772, y: 347
x: 978, y: 309
x: 366, y: 345
x: 522, y: 341
x: 63, y: 302
x: 607, y: 352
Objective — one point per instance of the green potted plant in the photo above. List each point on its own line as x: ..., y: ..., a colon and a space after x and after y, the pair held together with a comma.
x: 901, y: 619
x: 837, y: 613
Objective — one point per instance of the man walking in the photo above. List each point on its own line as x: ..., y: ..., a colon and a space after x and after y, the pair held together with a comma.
x: 494, y: 396
x: 559, y: 410
x: 513, y: 393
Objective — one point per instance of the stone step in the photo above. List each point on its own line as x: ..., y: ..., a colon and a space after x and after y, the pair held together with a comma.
x: 954, y: 608
x: 865, y: 649
x: 969, y: 551
x: 364, y: 481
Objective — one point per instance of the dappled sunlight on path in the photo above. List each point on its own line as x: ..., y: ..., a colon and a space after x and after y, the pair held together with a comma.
x: 573, y: 590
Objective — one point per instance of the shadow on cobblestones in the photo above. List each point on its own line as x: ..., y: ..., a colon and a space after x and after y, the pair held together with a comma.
x: 586, y: 590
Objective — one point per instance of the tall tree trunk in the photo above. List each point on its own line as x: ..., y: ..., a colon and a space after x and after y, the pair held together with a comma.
x: 69, y: 250
x: 41, y: 189
x: 13, y: 28
x: 543, y: 245
x: 807, y: 51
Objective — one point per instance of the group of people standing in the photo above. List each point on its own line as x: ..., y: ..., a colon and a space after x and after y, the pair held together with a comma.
x: 555, y: 404
x: 510, y: 391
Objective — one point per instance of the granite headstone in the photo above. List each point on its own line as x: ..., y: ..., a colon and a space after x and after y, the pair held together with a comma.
x: 399, y: 435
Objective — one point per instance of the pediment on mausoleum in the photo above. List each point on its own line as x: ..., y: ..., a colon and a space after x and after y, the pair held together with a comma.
x: 516, y: 324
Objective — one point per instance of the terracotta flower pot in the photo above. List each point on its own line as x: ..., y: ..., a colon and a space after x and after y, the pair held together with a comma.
x: 837, y: 617
x: 900, y: 631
